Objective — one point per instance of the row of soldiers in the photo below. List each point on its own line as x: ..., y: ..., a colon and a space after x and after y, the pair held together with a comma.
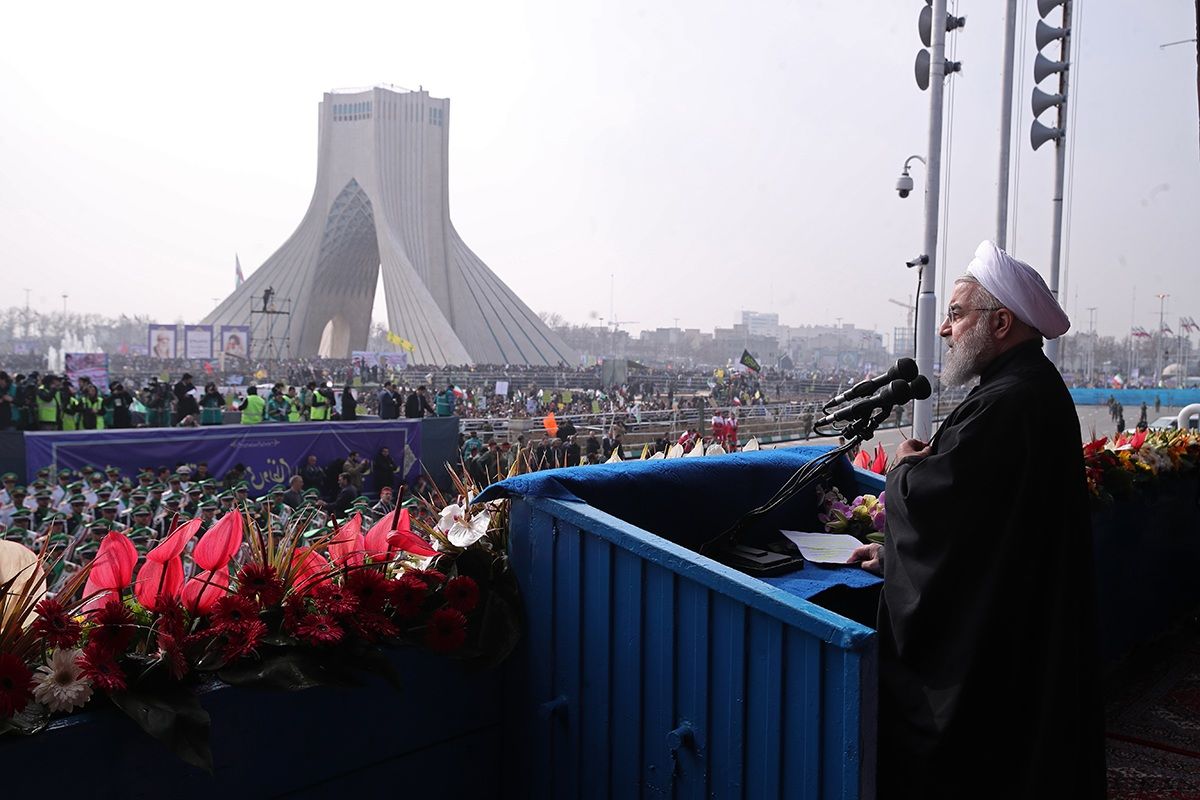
x: 71, y: 517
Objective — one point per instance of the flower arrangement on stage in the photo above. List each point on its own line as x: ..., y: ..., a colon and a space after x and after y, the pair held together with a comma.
x: 288, y: 608
x: 1118, y: 468
x: 863, y: 517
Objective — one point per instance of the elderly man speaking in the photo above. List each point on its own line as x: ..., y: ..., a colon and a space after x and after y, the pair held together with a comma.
x: 988, y: 662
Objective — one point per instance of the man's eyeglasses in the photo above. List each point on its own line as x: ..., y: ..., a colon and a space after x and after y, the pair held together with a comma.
x: 955, y: 313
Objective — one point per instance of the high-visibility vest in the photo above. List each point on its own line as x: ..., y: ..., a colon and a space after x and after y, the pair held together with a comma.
x: 320, y: 408
x: 253, y: 412
x: 97, y: 407
x: 47, y: 409
x: 293, y: 409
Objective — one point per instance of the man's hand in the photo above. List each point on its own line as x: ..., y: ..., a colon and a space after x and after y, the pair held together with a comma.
x: 871, y: 557
x: 912, y: 447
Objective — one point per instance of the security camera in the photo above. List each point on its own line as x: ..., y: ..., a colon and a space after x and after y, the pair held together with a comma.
x: 904, y: 184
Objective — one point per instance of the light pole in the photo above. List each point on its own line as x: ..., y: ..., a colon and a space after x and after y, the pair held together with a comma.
x: 1158, y: 350
x: 64, y: 297
x: 1092, y: 345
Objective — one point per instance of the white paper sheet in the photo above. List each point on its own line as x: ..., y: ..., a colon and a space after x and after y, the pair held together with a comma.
x: 823, y: 548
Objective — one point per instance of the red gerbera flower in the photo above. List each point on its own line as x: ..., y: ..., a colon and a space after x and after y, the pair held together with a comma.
x: 319, y: 629
x: 240, y: 641
x: 114, y: 627
x: 293, y: 612
x: 334, y: 599
x: 462, y: 593
x: 55, y: 625
x: 16, y: 685
x: 408, y: 594
x: 234, y: 611
x: 372, y: 626
x: 170, y: 650
x: 171, y: 621
x: 369, y: 586
x: 447, y: 630
x: 261, y: 581
x: 101, y: 668
x: 431, y: 576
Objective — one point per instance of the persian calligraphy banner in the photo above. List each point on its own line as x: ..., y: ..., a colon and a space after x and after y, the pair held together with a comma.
x: 271, y: 452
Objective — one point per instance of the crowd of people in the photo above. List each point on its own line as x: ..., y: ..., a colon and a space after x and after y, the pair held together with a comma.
x: 69, y: 512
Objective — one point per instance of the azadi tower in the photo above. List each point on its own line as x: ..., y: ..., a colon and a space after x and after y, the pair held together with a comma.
x: 382, y: 201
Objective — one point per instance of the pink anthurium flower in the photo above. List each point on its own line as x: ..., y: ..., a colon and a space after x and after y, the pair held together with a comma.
x: 309, y: 570
x: 348, y: 544
x: 220, y: 543
x: 158, y: 582
x: 172, y: 546
x: 402, y: 537
x: 112, y: 570
x: 204, y: 589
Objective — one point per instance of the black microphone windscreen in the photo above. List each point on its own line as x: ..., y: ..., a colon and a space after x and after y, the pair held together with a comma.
x: 906, y: 368
x: 920, y: 388
x: 898, y: 392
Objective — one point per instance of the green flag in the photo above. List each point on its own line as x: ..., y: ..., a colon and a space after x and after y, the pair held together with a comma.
x: 749, y: 361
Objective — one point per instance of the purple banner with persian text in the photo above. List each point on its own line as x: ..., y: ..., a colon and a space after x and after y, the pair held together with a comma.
x: 271, y: 452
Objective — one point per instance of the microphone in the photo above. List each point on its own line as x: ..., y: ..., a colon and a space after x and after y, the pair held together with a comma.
x: 898, y: 392
x: 920, y: 388
x: 904, y: 369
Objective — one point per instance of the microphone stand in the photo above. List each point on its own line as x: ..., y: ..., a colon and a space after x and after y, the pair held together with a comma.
x: 727, y: 548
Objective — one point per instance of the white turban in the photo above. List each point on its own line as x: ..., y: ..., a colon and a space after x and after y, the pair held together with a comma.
x: 1019, y: 288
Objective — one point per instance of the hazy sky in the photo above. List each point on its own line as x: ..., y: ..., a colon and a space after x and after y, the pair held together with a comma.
x: 709, y: 156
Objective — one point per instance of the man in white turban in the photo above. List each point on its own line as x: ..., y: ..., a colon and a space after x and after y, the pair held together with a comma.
x: 988, y: 661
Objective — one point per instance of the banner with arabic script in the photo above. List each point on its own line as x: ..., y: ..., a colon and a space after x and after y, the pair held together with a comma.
x: 271, y: 452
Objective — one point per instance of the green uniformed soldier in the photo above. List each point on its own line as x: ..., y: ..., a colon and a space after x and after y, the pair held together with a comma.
x: 207, y: 511
x: 60, y: 492
x: 85, y: 548
x: 19, y: 528
x: 225, y: 500
x: 113, y: 475
x: 43, y: 509
x: 107, y: 511
x: 142, y: 537
x: 77, y: 516
x: 7, y: 481
x: 156, y: 497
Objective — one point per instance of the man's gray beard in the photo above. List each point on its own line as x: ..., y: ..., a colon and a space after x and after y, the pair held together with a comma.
x: 967, y: 359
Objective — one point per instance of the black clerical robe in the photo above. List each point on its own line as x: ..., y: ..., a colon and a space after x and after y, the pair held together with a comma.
x: 988, y: 657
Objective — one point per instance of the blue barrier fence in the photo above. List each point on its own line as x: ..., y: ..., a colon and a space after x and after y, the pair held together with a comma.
x: 1133, y: 398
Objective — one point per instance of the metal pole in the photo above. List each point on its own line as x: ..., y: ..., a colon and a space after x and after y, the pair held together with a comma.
x: 1158, y: 349
x: 1006, y: 91
x: 927, y: 313
x: 1060, y: 170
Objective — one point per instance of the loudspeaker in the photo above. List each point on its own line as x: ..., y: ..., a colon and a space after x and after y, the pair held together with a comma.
x: 1044, y: 67
x: 1043, y: 100
x: 1046, y: 34
x: 921, y: 69
x: 1046, y: 6
x: 1039, y: 134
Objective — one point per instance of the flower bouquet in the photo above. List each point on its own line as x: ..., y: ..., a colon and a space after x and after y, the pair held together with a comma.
x: 863, y: 517
x: 288, y: 607
x: 1120, y: 467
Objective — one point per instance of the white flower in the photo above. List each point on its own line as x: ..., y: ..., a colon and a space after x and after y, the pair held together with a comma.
x: 450, y: 515
x: 466, y: 531
x: 60, y: 687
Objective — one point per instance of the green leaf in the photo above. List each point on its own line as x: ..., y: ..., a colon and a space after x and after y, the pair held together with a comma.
x: 175, y: 717
x: 30, y: 720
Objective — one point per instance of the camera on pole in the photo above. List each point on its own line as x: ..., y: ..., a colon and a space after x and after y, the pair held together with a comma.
x: 925, y: 29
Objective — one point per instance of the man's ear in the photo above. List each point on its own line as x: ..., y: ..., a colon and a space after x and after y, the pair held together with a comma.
x: 1003, y: 323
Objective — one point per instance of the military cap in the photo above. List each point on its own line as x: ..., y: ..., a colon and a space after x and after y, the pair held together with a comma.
x: 19, y: 490
x: 76, y: 499
x: 107, y: 505
x: 22, y: 513
x: 8, y: 476
x: 209, y: 505
x: 98, y: 524
x: 64, y: 473
x: 44, y: 472
x: 139, y: 510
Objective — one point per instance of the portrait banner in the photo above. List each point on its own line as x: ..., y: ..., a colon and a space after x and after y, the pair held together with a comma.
x: 393, y: 361
x: 362, y: 358
x: 160, y: 341
x: 235, y: 341
x: 198, y: 341
x: 93, y: 366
